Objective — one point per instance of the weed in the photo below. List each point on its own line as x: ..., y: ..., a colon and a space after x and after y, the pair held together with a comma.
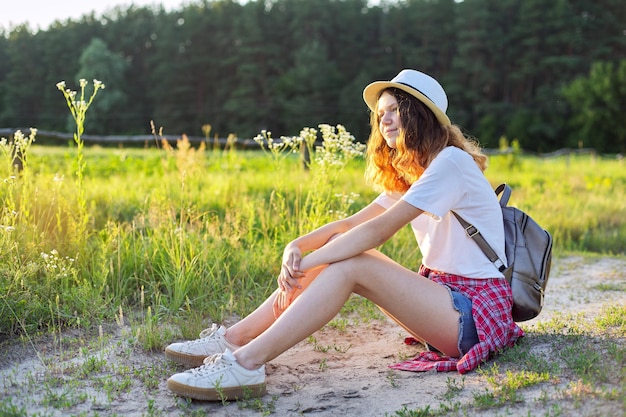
x: 152, y: 410
x: 581, y: 359
x: 418, y: 412
x: 404, y: 356
x: 92, y: 365
x: 8, y: 409
x: 64, y: 399
x: 151, y: 334
x: 220, y: 391
x: 257, y: 404
x: 453, y: 388
x: 339, y: 324
x: 392, y: 377
x: 506, y: 388
x: 78, y: 107
x: 612, y: 286
x: 613, y: 317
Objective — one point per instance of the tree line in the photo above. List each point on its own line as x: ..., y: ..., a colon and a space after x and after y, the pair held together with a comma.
x: 549, y: 73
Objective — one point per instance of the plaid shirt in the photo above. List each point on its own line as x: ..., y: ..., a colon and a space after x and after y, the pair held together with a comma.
x: 491, y: 309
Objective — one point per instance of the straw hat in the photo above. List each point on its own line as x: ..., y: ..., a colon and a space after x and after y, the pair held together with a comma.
x: 421, y: 86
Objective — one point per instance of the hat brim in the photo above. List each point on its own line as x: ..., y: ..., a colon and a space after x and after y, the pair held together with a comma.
x: 372, y: 92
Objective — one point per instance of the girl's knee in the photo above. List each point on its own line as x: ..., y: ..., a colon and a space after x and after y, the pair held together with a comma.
x: 346, y: 270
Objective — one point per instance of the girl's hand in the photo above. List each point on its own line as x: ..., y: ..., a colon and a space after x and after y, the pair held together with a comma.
x: 290, y: 274
x: 289, y: 285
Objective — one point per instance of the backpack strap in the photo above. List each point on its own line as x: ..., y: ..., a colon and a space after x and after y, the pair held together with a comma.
x: 473, y: 233
x: 505, y: 190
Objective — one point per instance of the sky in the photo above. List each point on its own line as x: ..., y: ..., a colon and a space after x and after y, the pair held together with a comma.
x: 39, y: 14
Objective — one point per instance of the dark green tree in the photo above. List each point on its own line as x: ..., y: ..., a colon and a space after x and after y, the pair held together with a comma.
x: 98, y: 62
x: 283, y: 64
x: 22, y: 85
x: 597, y: 106
x: 132, y: 33
x: 194, y: 66
x: 4, y: 67
x: 250, y: 106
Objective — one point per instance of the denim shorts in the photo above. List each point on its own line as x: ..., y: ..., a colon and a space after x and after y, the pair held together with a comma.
x: 468, y: 336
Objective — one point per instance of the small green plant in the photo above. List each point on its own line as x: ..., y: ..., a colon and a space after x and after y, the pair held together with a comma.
x: 8, y: 409
x: 92, y: 366
x: 152, y: 336
x: 257, y: 404
x: 278, y: 149
x: 506, y: 387
x: 418, y: 412
x: 613, y: 317
x: 453, y: 388
x: 78, y: 107
x: 339, y: 323
x: 582, y: 360
x: 65, y: 398
x: 392, y: 377
x: 152, y: 410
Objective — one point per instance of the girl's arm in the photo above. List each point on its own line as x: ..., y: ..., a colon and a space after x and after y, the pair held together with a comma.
x: 320, y: 236
x: 290, y: 271
x: 362, y: 237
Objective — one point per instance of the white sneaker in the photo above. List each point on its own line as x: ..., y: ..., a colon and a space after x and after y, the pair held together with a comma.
x: 193, y: 353
x: 221, y: 378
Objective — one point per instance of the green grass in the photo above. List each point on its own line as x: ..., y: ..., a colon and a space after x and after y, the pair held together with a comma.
x: 179, y: 237
x: 568, y: 360
x: 173, y: 232
x: 579, y: 199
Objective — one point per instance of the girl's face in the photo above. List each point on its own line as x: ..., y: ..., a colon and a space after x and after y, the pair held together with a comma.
x: 389, y: 118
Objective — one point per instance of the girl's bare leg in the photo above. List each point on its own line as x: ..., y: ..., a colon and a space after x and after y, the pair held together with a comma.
x: 422, y: 307
x: 251, y: 326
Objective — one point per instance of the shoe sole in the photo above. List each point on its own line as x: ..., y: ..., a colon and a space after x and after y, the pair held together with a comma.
x: 212, y: 394
x: 184, y: 359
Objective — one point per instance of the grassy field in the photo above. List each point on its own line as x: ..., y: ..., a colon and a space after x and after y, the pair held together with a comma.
x: 183, y: 229
x: 163, y: 240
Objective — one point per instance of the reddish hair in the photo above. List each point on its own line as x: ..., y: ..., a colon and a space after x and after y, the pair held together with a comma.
x: 421, y: 138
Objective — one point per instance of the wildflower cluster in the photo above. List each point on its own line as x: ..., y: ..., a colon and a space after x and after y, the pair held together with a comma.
x: 78, y: 105
x: 338, y: 147
x: 56, y: 265
x: 78, y: 108
x: 278, y: 147
x: 308, y: 136
x: 345, y: 201
x: 15, y: 151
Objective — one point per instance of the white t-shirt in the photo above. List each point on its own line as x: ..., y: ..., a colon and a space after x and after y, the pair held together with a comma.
x: 453, y: 181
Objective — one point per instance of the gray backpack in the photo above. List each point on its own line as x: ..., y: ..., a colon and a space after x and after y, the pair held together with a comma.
x: 528, y: 249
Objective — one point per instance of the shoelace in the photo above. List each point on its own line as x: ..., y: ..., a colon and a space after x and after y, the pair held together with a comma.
x: 211, y: 364
x: 209, y: 332
x: 205, y: 334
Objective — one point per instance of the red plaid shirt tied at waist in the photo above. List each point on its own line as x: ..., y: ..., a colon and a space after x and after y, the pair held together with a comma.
x: 491, y: 309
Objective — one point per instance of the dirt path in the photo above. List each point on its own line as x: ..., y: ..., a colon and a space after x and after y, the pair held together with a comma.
x: 338, y: 373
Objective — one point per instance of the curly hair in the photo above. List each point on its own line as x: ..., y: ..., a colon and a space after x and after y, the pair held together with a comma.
x: 421, y: 138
